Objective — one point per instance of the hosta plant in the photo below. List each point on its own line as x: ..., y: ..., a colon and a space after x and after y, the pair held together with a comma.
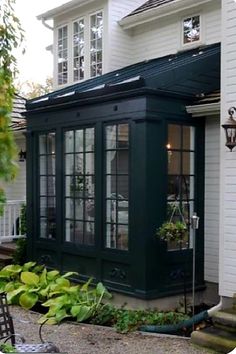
x: 30, y: 284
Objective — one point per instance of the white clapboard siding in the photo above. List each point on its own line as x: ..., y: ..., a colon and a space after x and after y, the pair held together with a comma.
x: 212, y: 168
x: 16, y: 190
x: 163, y: 36
x: 120, y: 41
x: 227, y: 284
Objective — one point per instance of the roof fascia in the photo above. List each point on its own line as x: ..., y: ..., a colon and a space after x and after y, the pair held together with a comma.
x: 57, y: 11
x: 201, y: 110
x: 152, y: 14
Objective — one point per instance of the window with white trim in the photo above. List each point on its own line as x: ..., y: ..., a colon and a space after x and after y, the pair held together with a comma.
x: 62, y: 55
x: 78, y: 50
x: 191, y: 29
x: 96, y: 38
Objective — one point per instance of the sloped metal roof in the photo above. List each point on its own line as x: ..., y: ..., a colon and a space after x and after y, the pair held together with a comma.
x: 149, y: 5
x: 187, y: 73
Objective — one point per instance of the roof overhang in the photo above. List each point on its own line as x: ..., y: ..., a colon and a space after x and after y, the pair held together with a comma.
x: 202, y: 110
x: 63, y: 9
x: 152, y: 14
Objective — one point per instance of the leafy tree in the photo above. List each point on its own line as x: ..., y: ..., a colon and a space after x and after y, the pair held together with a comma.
x: 11, y: 36
x: 30, y: 89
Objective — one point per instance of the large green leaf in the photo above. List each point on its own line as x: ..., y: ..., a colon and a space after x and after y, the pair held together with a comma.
x: 29, y: 278
x: 12, y: 268
x: 12, y: 294
x: 81, y: 312
x: 69, y: 274
x: 27, y: 266
x: 53, y: 274
x: 61, y: 314
x: 28, y: 300
x: 62, y: 282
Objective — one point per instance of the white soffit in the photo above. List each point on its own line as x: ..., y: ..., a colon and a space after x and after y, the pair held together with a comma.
x: 201, y: 110
x: 62, y: 9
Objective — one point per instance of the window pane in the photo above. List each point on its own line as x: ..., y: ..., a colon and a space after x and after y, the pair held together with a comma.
x: 122, y: 162
x: 43, y: 227
x: 43, y: 206
x: 89, y: 233
x: 69, y: 208
x: 42, y: 144
x: 79, y: 232
x: 43, y: 185
x: 174, y: 160
x: 69, y: 230
x: 79, y: 163
x: 174, y: 136
x: 188, y: 163
x: 111, y: 187
x: 79, y: 209
x: 122, y: 237
x: 89, y: 186
x: 123, y: 136
x: 89, y: 163
x: 111, y: 162
x: 51, y: 165
x: 79, y: 140
x: 69, y: 164
x: 111, y: 137
x: 69, y: 141
x: 51, y: 186
x: 191, y: 29
x: 42, y: 165
x: 89, y: 210
x: 111, y: 211
x: 111, y: 236
x: 89, y: 139
x: 123, y: 187
x: 123, y: 212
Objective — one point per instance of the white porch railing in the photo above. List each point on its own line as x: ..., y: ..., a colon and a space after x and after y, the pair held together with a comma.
x: 10, y: 221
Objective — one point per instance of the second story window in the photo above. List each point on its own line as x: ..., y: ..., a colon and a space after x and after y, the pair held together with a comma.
x: 78, y: 50
x: 62, y: 56
x: 96, y: 38
x: 191, y: 29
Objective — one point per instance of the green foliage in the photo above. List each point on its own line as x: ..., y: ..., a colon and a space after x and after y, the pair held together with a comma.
x: 172, y: 231
x: 125, y: 320
x: 29, y: 284
x: 19, y: 255
x: 10, y: 38
x: 7, y: 348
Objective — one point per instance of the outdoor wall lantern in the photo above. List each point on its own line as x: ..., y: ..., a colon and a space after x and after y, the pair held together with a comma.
x: 230, y: 129
x: 22, y: 156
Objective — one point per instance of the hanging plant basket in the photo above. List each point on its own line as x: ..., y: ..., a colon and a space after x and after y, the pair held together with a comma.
x: 173, y: 230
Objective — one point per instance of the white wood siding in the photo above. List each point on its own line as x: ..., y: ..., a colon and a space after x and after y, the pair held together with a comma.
x: 120, y: 41
x: 17, y: 189
x: 163, y: 36
x: 212, y: 169
x: 227, y: 285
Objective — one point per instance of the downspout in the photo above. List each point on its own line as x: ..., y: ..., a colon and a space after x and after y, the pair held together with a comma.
x: 172, y: 329
x: 46, y: 24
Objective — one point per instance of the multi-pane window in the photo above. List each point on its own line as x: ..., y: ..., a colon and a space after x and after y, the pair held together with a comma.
x: 96, y: 39
x: 62, y: 55
x: 78, y: 50
x: 191, y: 29
x: 181, y: 177
x: 47, y: 185
x: 117, y: 186
x: 79, y: 181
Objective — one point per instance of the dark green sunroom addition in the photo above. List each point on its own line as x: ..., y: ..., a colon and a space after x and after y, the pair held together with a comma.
x: 107, y: 160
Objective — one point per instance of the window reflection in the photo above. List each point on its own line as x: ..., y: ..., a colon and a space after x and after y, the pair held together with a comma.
x: 181, y: 176
x: 79, y: 186
x: 117, y: 186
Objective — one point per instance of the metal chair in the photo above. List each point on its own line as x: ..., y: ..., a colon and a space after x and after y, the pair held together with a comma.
x: 7, y: 332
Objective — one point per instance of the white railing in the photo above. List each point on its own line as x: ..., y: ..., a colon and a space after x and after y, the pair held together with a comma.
x: 10, y: 221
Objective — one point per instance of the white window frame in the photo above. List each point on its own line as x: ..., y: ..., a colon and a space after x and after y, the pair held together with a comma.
x: 89, y: 27
x: 57, y: 55
x: 72, y: 54
x: 201, y: 34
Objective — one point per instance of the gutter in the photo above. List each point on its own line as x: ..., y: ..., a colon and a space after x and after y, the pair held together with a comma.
x: 152, y: 14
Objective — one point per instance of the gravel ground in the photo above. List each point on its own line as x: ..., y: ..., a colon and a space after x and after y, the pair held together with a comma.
x: 73, y: 338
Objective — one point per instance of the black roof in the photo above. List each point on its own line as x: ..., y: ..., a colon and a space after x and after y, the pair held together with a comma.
x: 149, y: 5
x: 187, y: 73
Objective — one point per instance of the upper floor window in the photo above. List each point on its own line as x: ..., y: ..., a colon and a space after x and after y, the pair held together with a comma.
x: 62, y: 55
x: 78, y: 50
x: 191, y: 29
x: 96, y: 37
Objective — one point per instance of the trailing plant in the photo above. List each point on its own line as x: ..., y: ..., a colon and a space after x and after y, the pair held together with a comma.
x: 11, y: 38
x: 30, y: 284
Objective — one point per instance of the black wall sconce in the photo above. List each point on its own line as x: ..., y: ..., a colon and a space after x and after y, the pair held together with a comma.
x: 230, y: 129
x: 22, y: 156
